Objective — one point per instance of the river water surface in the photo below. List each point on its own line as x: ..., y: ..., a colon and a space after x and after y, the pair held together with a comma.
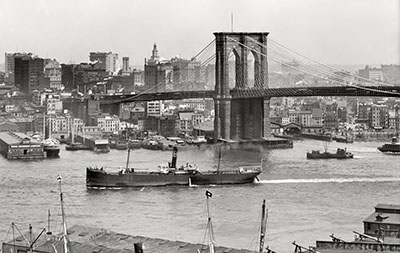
x: 307, y: 200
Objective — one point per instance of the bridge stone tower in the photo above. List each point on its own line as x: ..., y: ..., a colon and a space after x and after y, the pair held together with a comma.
x: 240, y: 117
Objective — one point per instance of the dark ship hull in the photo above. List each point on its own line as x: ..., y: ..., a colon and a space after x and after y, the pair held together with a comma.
x: 52, y: 151
x: 99, y: 178
x: 390, y: 148
x: 340, y: 154
x: 77, y: 146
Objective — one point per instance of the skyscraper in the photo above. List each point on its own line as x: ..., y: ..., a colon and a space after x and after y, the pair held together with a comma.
x: 125, y: 64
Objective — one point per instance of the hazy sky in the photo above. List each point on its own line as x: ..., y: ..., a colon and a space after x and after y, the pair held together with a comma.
x: 330, y: 31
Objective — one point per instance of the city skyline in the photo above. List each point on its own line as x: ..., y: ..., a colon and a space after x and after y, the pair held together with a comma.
x: 336, y: 32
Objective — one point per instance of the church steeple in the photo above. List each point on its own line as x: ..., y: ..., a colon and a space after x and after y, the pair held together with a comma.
x: 154, y: 55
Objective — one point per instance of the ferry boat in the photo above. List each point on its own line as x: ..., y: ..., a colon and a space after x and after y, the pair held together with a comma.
x: 340, y: 154
x: 169, y: 175
x: 392, y: 147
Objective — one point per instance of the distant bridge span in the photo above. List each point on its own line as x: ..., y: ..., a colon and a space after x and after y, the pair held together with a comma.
x: 364, y: 91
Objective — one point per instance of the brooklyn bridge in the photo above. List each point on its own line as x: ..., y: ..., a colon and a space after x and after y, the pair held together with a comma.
x: 242, y: 96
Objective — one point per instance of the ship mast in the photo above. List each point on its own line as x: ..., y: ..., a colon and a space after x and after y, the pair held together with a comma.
x: 65, y: 235
x: 209, y: 225
x: 264, y: 216
x: 219, y: 158
x: 127, y: 159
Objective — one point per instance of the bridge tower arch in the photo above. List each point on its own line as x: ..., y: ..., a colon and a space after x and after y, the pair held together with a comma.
x: 245, y: 118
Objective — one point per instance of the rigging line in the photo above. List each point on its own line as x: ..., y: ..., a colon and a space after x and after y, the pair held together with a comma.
x: 311, y: 74
x: 274, y: 41
x: 279, y: 61
x: 314, y: 68
x: 331, y: 67
x: 327, y: 73
x: 306, y: 66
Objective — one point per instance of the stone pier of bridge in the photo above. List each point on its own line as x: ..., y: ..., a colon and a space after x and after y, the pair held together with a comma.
x: 241, y: 118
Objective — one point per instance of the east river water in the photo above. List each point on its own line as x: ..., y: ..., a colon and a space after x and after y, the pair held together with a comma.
x: 307, y: 200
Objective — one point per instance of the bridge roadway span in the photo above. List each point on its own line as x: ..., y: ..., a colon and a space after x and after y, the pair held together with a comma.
x: 363, y: 91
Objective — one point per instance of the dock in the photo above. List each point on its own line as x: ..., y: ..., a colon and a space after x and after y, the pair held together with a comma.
x: 85, y: 239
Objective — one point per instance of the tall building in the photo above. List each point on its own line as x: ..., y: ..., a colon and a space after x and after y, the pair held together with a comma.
x: 100, y: 57
x: 107, y: 61
x: 67, y: 76
x: 125, y: 64
x: 36, y: 74
x: 28, y: 72
x: 379, y: 116
x: 21, y: 72
x: 158, y: 73
x: 112, y: 63
x: 9, y: 68
x: 52, y: 71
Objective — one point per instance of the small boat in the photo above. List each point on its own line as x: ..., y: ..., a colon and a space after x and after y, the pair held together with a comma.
x: 150, y: 144
x: 77, y: 146
x: 51, y: 147
x: 121, y: 145
x: 340, y: 154
x: 392, y: 147
x: 170, y: 174
x: 134, y: 144
x: 344, y: 139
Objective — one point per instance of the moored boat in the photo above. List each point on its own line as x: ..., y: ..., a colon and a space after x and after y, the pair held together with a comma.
x: 168, y: 175
x: 51, y: 147
x: 392, y: 147
x: 77, y: 146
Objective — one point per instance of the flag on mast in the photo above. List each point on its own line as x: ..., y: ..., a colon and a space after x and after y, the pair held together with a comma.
x: 208, y: 194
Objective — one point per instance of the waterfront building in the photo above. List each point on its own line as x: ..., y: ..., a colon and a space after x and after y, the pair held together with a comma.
x: 6, y: 126
x: 108, y: 124
x: 24, y: 124
x: 188, y: 120
x: 381, y: 234
x: 154, y: 108
x: 85, y: 239
x: 196, y: 104
x: 379, y: 116
x: 14, y: 145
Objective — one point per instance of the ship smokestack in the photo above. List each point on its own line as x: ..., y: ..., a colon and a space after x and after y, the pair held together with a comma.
x: 138, y: 247
x: 174, y: 157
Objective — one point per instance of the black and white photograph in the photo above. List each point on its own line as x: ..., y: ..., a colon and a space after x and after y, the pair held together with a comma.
x: 199, y: 126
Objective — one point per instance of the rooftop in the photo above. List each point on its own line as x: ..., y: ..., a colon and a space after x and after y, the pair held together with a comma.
x: 88, y: 239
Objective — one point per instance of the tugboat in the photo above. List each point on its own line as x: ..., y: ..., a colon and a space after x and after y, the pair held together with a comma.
x: 168, y: 175
x: 392, y: 147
